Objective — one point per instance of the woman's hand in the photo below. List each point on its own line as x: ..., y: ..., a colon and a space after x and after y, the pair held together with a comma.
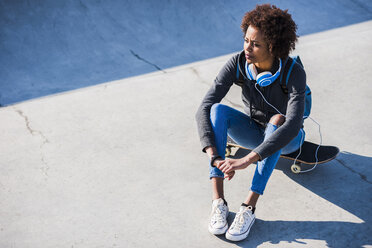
x: 229, y: 175
x: 230, y: 165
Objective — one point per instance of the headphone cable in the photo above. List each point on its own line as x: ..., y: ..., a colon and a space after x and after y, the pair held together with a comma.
x: 302, y: 134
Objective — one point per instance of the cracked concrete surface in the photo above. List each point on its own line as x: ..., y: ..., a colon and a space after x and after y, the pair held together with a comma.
x: 45, y: 168
x: 121, y: 162
x: 362, y: 176
x: 32, y: 131
x: 146, y: 61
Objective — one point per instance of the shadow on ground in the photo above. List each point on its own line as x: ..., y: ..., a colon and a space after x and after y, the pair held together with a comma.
x: 346, y: 182
x: 49, y: 47
x: 295, y: 231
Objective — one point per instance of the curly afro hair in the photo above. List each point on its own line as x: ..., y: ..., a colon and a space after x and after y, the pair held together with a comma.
x: 276, y: 25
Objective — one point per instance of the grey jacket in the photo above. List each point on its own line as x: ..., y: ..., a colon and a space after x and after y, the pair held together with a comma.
x: 291, y: 104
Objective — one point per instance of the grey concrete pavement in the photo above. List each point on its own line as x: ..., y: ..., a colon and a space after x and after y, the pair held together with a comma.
x: 119, y: 164
x: 52, y: 46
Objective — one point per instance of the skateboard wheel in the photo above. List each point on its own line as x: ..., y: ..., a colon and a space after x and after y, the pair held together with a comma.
x: 295, y: 168
x: 227, y: 151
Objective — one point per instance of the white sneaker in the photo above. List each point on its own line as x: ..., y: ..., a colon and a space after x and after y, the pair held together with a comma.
x: 241, y: 225
x: 218, y: 224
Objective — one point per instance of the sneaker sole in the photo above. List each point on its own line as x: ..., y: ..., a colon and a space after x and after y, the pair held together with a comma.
x: 240, y: 237
x: 220, y: 231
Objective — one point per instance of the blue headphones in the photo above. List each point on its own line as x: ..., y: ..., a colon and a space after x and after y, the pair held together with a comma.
x: 264, y: 78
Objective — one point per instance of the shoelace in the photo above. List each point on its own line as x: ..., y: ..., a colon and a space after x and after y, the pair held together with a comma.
x: 218, y: 212
x: 239, y: 220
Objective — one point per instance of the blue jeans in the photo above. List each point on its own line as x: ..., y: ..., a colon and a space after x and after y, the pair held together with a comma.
x: 246, y: 132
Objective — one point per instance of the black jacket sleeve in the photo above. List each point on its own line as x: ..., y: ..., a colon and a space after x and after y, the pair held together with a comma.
x: 294, y: 115
x: 215, y: 94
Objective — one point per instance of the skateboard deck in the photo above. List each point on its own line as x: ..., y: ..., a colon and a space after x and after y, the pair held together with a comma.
x: 310, y: 154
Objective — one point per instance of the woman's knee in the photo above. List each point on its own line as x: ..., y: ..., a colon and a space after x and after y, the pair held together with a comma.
x: 217, y: 107
x: 277, y: 120
x: 217, y: 110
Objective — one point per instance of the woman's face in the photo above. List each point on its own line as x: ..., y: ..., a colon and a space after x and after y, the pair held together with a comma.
x: 256, y: 48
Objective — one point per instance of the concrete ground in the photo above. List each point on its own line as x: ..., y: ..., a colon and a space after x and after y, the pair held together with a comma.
x: 53, y: 46
x: 119, y: 164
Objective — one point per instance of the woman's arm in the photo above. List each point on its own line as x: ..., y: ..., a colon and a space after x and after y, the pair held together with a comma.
x: 294, y: 115
x: 215, y: 94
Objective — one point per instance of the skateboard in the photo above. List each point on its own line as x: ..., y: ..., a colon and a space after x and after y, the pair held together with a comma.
x: 309, y: 154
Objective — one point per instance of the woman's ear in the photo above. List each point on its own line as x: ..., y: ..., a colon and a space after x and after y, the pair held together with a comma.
x: 271, y: 49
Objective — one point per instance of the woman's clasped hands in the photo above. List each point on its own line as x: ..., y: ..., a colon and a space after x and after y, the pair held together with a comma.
x: 228, y: 166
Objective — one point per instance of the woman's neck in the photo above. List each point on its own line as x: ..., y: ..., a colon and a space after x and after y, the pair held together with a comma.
x: 265, y: 65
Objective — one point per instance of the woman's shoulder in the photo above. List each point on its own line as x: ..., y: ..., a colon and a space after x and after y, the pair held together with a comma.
x: 295, y: 72
x: 235, y: 58
x: 232, y: 63
x: 296, y: 64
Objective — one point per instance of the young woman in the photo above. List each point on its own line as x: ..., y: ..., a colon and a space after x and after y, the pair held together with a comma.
x: 273, y: 119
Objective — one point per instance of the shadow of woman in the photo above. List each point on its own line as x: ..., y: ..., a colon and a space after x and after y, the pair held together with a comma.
x: 346, y: 182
